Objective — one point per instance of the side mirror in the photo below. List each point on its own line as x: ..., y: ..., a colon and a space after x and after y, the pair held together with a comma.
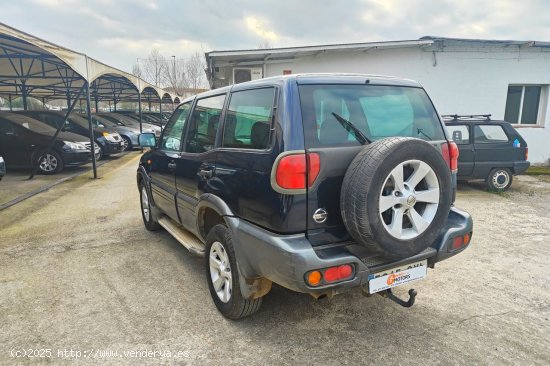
x: 147, y: 140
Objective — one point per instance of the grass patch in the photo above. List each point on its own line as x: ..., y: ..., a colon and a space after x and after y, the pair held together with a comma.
x: 538, y: 170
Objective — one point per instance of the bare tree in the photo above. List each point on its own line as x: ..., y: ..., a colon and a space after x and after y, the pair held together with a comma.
x: 175, y: 75
x: 153, y: 67
x: 195, y: 71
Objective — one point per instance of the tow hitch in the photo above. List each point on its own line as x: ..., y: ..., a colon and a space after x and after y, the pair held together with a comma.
x: 407, y: 304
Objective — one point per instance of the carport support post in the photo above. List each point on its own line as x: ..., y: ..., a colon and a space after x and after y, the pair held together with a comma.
x: 24, y: 93
x: 160, y: 109
x: 96, y: 104
x: 36, y: 160
x: 91, y: 127
x: 139, y: 109
x: 9, y: 99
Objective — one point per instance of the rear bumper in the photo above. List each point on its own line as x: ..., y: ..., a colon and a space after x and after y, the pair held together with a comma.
x: 284, y: 259
x: 521, y: 166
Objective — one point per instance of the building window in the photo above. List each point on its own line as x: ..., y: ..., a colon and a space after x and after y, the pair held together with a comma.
x: 526, y: 104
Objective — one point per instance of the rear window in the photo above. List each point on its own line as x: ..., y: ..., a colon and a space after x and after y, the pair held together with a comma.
x: 377, y: 111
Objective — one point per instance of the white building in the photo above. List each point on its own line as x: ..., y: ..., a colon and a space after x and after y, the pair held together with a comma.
x: 508, y: 79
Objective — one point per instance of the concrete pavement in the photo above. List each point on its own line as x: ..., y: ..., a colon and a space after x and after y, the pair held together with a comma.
x: 79, y: 272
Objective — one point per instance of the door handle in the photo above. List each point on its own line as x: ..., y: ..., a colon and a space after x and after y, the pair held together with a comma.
x: 205, y: 173
x: 172, y: 165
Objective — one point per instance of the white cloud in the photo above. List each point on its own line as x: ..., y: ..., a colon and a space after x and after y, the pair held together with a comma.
x: 259, y: 27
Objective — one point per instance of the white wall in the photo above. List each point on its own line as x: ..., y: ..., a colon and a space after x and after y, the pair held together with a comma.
x: 465, y: 80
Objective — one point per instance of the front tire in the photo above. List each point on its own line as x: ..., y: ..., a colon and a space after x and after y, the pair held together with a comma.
x: 149, y: 219
x: 127, y: 144
x: 499, y: 179
x: 50, y: 163
x: 223, y: 277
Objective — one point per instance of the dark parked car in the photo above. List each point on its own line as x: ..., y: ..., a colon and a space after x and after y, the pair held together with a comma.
x: 24, y: 139
x: 319, y: 183
x: 489, y: 149
x: 109, y: 141
x: 2, y: 167
x: 123, y: 120
x: 145, y: 117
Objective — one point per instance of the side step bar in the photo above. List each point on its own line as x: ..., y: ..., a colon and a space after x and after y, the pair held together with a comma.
x: 186, y: 238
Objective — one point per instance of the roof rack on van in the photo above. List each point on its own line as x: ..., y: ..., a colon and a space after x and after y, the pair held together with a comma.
x: 456, y: 117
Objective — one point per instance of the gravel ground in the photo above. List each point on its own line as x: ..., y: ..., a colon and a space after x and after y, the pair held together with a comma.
x: 78, y: 272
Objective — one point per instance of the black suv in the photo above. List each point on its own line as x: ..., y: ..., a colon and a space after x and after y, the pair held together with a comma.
x: 489, y: 149
x: 318, y: 183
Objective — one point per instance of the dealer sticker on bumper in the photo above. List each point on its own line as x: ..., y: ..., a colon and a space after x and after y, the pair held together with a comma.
x: 397, y: 276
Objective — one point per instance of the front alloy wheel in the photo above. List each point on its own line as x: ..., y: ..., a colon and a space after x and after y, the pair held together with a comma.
x: 50, y: 163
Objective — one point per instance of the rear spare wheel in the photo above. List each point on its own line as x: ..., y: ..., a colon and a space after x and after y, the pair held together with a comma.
x: 396, y: 196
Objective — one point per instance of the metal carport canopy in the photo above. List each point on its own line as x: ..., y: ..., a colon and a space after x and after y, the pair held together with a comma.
x: 30, y: 66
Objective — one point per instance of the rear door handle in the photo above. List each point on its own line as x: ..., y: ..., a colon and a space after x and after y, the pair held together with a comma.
x: 205, y: 173
x: 172, y: 165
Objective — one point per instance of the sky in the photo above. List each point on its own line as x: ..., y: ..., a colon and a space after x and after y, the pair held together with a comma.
x: 119, y: 32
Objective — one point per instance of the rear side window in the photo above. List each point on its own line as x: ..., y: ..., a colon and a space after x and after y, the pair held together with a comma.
x: 378, y: 111
x: 204, y: 124
x: 460, y: 134
x: 248, y: 119
x: 489, y: 134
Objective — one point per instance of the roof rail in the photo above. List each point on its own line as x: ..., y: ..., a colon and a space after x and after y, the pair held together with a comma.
x: 456, y: 117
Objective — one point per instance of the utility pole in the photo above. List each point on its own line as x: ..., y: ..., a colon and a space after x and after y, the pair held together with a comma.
x: 175, y: 77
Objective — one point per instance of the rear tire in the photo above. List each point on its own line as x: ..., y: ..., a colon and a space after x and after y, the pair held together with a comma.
x: 499, y: 179
x: 223, y: 277
x: 396, y: 196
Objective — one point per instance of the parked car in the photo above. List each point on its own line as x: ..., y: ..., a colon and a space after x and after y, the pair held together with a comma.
x: 2, y: 167
x: 123, y: 120
x: 304, y: 181
x: 24, y: 140
x: 129, y: 134
x: 492, y: 150
x: 109, y: 141
x: 145, y: 117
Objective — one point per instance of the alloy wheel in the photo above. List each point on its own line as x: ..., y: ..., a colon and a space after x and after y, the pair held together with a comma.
x: 409, y: 199
x: 220, y: 271
x: 48, y: 163
x: 145, y: 204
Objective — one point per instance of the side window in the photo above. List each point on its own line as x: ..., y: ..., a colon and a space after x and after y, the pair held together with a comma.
x: 460, y: 134
x: 171, y: 138
x: 489, y: 134
x: 204, y: 124
x: 248, y: 120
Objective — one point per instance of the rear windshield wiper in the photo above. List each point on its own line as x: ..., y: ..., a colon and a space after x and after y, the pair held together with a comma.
x: 350, y: 127
x: 420, y: 131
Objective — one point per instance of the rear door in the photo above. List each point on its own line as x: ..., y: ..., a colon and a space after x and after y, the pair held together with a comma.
x: 163, y: 162
x: 15, y: 145
x: 494, y: 148
x: 461, y: 135
x: 195, y: 167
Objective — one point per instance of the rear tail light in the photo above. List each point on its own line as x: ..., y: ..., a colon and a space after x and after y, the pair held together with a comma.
x: 450, y: 154
x: 526, y: 153
x: 294, y: 170
x: 460, y: 242
x: 330, y: 275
